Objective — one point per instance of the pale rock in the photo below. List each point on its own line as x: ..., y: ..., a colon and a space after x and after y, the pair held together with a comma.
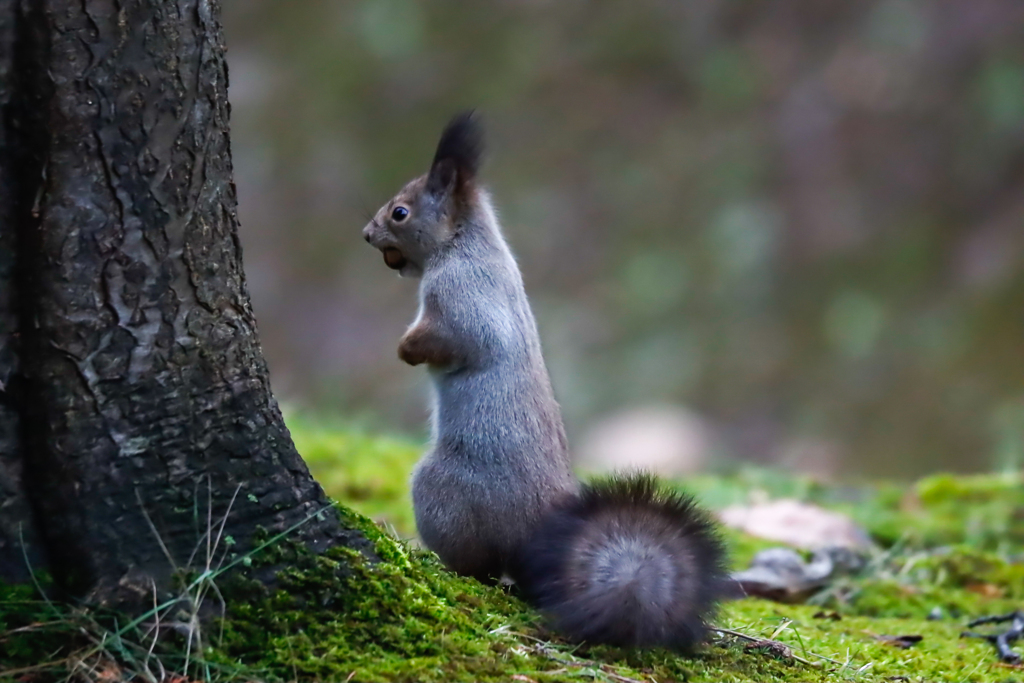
x: 664, y: 439
x: 796, y: 524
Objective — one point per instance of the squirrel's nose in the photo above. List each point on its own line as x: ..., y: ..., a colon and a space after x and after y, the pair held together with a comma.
x: 366, y: 233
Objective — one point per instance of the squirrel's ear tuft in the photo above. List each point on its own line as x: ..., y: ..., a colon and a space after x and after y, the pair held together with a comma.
x: 458, y: 155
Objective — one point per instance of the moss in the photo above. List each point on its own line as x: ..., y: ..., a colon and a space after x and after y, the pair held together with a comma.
x: 368, y: 472
x: 984, y: 511
x: 914, y: 575
x: 960, y: 581
x: 465, y: 631
x: 849, y: 648
x: 338, y: 615
x: 402, y: 618
x: 408, y: 619
x: 949, y: 543
x: 31, y: 629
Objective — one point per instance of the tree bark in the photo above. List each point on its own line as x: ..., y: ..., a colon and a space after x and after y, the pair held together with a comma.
x: 145, y: 391
x: 19, y: 545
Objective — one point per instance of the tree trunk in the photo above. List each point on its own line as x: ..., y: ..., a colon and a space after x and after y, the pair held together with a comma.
x: 143, y: 386
x: 16, y: 527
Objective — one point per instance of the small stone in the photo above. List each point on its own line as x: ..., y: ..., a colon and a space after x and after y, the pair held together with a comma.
x: 797, y: 524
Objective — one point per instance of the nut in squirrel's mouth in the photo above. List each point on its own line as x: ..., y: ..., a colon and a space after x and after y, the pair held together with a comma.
x: 393, y: 258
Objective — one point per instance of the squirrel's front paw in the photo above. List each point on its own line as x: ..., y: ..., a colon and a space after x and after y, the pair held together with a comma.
x: 424, y: 344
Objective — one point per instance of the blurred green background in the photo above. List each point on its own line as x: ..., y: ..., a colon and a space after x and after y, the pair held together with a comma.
x: 799, y: 225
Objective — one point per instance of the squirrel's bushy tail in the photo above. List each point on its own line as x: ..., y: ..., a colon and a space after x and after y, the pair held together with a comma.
x: 626, y: 563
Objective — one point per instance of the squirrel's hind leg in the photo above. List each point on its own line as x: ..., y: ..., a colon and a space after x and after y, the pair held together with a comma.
x: 487, y: 570
x: 448, y: 525
x: 478, y: 561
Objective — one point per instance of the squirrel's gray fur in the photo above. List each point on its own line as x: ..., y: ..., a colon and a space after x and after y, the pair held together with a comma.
x: 620, y: 562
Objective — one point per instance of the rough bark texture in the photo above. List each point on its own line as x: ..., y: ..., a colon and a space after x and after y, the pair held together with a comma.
x: 146, y: 385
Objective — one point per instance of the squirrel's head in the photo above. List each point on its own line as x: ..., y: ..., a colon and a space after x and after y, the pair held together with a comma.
x: 429, y: 211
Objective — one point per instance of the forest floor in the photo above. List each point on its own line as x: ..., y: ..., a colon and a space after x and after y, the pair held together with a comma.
x: 947, y: 550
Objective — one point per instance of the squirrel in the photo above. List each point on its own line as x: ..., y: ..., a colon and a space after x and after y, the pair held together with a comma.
x: 618, y: 561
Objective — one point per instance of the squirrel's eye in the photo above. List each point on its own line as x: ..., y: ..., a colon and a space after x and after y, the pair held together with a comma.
x: 399, y: 214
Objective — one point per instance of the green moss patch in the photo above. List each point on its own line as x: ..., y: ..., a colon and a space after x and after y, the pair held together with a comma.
x: 403, y: 618
x: 985, y: 511
x: 31, y: 630
x: 957, y: 582
x: 947, y: 542
x: 368, y: 472
x: 852, y: 648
